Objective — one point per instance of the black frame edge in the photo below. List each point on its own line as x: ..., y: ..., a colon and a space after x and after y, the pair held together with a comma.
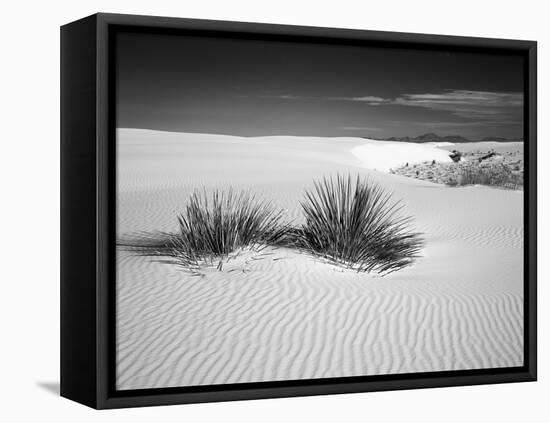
x: 78, y: 361
x: 395, y: 384
x: 310, y: 31
x: 531, y: 204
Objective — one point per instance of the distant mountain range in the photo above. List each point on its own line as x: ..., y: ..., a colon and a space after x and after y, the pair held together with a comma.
x: 455, y: 139
x: 501, y: 139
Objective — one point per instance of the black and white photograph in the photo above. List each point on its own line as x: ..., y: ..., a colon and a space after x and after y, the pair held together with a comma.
x: 295, y: 211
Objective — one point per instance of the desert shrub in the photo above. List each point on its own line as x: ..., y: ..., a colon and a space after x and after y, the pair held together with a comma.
x: 499, y: 175
x: 358, y: 225
x: 213, y: 226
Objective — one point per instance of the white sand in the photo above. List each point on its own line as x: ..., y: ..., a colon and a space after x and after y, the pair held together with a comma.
x: 291, y: 316
x: 386, y: 155
x: 440, y: 143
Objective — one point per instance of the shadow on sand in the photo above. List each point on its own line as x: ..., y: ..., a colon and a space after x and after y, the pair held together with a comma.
x: 51, y: 387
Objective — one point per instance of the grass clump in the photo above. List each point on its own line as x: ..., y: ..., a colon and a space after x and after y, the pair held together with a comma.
x: 353, y: 223
x: 499, y: 175
x: 212, y: 227
x: 358, y: 225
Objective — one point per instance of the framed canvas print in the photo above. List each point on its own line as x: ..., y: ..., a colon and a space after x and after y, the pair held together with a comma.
x: 255, y: 211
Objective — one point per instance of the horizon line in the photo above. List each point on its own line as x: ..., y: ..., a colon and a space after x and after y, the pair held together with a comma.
x: 487, y: 139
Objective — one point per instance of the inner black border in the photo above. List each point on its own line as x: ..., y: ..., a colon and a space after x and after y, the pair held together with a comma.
x: 114, y: 29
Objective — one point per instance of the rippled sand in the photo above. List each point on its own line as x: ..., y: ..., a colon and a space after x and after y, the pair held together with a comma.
x: 292, y: 316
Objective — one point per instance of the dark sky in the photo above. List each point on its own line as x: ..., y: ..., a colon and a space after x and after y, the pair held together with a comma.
x: 254, y: 88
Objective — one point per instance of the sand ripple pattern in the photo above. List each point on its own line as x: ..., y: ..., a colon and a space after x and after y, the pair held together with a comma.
x: 268, y: 326
x: 460, y: 306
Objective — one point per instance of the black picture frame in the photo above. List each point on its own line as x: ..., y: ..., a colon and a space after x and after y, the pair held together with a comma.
x: 88, y: 198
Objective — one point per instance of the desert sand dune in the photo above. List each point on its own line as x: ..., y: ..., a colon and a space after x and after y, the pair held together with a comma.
x: 386, y: 155
x: 292, y: 316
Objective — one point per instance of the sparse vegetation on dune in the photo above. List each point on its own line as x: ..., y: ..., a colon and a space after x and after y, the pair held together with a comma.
x: 214, y: 226
x: 499, y: 170
x: 499, y: 175
x: 353, y: 223
x: 356, y: 223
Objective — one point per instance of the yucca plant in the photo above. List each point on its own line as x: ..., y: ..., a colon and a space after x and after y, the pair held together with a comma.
x: 356, y: 223
x: 212, y: 226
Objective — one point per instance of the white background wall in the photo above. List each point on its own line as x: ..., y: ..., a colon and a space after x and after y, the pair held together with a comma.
x: 29, y: 223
